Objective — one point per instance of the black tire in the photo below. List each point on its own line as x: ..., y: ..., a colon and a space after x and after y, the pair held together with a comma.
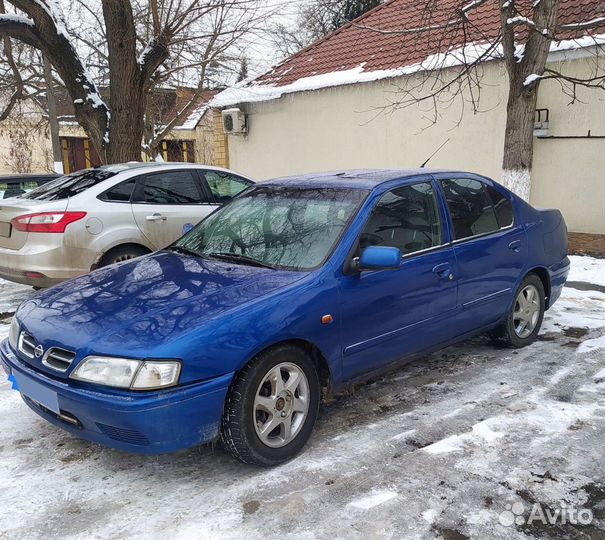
x: 121, y: 253
x: 238, y: 430
x: 505, y: 335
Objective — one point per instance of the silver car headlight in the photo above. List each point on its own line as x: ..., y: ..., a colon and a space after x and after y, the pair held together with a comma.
x: 13, y: 334
x: 127, y: 372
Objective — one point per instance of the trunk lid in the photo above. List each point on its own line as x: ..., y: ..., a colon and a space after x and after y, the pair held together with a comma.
x: 10, y: 238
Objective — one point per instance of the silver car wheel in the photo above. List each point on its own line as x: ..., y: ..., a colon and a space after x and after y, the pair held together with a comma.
x: 527, y: 311
x: 281, y: 405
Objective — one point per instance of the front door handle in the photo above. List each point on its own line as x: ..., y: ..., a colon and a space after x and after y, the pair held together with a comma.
x: 156, y: 217
x: 515, y: 245
x: 443, y: 270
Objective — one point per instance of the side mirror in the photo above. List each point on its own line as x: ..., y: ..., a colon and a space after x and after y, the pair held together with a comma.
x: 380, y: 258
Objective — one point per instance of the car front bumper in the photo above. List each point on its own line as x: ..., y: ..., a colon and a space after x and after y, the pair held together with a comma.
x: 139, y: 422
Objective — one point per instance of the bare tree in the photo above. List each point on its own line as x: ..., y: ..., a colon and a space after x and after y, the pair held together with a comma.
x: 465, y: 42
x: 129, y: 47
x: 315, y: 20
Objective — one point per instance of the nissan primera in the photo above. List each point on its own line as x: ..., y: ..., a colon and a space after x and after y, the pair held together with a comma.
x: 297, y: 285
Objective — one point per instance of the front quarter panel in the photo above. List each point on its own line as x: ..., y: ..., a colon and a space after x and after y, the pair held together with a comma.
x: 228, y: 343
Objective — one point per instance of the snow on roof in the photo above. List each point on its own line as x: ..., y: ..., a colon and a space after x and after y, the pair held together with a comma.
x: 398, y: 38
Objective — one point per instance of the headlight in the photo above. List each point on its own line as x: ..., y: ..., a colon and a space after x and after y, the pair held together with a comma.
x: 13, y: 334
x: 127, y: 373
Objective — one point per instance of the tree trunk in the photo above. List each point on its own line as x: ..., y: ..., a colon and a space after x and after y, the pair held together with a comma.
x: 524, y: 74
x: 127, y: 97
x: 519, y: 138
x: 53, y: 122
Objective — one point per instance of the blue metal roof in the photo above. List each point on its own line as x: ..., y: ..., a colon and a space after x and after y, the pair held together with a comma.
x: 355, y: 179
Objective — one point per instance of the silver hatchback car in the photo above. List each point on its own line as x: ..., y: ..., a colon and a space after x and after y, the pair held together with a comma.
x: 97, y: 217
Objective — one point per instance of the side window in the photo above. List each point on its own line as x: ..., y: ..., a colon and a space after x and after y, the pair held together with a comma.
x: 406, y: 218
x: 470, y: 207
x: 170, y: 187
x: 120, y: 192
x: 502, y: 206
x: 224, y: 186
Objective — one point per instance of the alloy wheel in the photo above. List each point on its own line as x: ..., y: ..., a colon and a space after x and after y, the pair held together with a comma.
x: 281, y: 404
x: 527, y: 311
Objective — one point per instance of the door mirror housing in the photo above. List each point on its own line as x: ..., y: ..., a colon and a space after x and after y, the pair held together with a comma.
x: 380, y: 258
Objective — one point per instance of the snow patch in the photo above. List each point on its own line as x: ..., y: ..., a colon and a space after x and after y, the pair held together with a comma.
x: 530, y: 79
x: 403, y: 436
x: 11, y: 17
x: 429, y: 515
x: 587, y: 269
x: 375, y: 499
x: 599, y: 374
x: 576, y: 309
x: 454, y: 443
x: 592, y: 345
x: 518, y: 181
x: 520, y: 20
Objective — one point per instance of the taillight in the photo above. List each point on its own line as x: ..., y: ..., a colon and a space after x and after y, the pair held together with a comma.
x: 46, y: 222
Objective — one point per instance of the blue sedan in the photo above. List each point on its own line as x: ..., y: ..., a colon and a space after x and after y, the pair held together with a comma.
x: 299, y: 286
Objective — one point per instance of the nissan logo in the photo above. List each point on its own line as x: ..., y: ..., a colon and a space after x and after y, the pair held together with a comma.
x: 38, y: 351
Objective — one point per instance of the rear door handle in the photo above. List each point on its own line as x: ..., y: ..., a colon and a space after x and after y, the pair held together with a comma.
x: 443, y: 270
x: 156, y: 217
x: 515, y: 245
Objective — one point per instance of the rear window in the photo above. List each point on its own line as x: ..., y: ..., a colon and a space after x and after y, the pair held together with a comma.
x: 12, y: 188
x: 120, y: 192
x: 68, y: 186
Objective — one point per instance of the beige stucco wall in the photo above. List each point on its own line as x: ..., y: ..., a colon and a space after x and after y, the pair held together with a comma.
x: 346, y: 127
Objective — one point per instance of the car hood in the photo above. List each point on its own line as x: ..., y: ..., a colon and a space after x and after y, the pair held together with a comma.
x: 132, y: 307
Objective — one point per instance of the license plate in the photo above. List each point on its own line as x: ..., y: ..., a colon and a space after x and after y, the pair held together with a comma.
x: 38, y: 393
x: 5, y: 229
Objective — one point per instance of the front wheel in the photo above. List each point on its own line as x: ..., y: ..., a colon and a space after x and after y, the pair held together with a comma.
x: 525, y: 316
x: 271, y: 407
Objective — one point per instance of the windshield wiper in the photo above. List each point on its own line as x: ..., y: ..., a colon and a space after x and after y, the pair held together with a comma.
x: 183, y: 250
x: 239, y: 258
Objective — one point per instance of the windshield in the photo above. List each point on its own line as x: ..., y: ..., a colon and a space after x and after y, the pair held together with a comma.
x: 288, y: 228
x: 68, y: 186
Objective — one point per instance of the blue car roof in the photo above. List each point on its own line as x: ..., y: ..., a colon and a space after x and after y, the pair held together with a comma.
x: 352, y: 179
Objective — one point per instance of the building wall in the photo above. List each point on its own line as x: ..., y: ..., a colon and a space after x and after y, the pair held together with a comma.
x: 348, y: 127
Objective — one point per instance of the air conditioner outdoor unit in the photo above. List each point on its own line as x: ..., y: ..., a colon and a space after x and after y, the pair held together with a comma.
x: 234, y: 121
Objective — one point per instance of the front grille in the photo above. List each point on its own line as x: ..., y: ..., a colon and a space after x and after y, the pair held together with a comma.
x: 131, y: 436
x: 59, y: 359
x: 27, y: 344
x: 55, y: 357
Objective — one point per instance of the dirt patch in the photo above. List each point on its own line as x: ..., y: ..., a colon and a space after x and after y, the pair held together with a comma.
x: 574, y: 332
x: 251, y: 506
x: 450, y: 534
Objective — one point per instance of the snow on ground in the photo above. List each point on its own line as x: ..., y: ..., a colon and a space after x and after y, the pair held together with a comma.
x: 587, y: 269
x: 444, y: 447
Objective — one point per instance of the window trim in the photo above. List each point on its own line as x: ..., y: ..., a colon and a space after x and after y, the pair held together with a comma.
x: 137, y: 192
x: 449, y: 216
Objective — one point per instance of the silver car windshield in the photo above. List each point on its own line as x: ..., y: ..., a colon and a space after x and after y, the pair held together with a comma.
x: 68, y: 186
x: 286, y: 228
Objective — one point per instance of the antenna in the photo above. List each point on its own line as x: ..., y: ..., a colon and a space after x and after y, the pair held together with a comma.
x: 429, y: 158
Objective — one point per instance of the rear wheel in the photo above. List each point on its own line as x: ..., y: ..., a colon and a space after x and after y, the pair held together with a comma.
x: 272, y: 407
x: 122, y: 253
x: 525, y: 316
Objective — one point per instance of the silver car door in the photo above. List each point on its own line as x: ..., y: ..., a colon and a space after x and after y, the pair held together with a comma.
x: 166, y: 203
